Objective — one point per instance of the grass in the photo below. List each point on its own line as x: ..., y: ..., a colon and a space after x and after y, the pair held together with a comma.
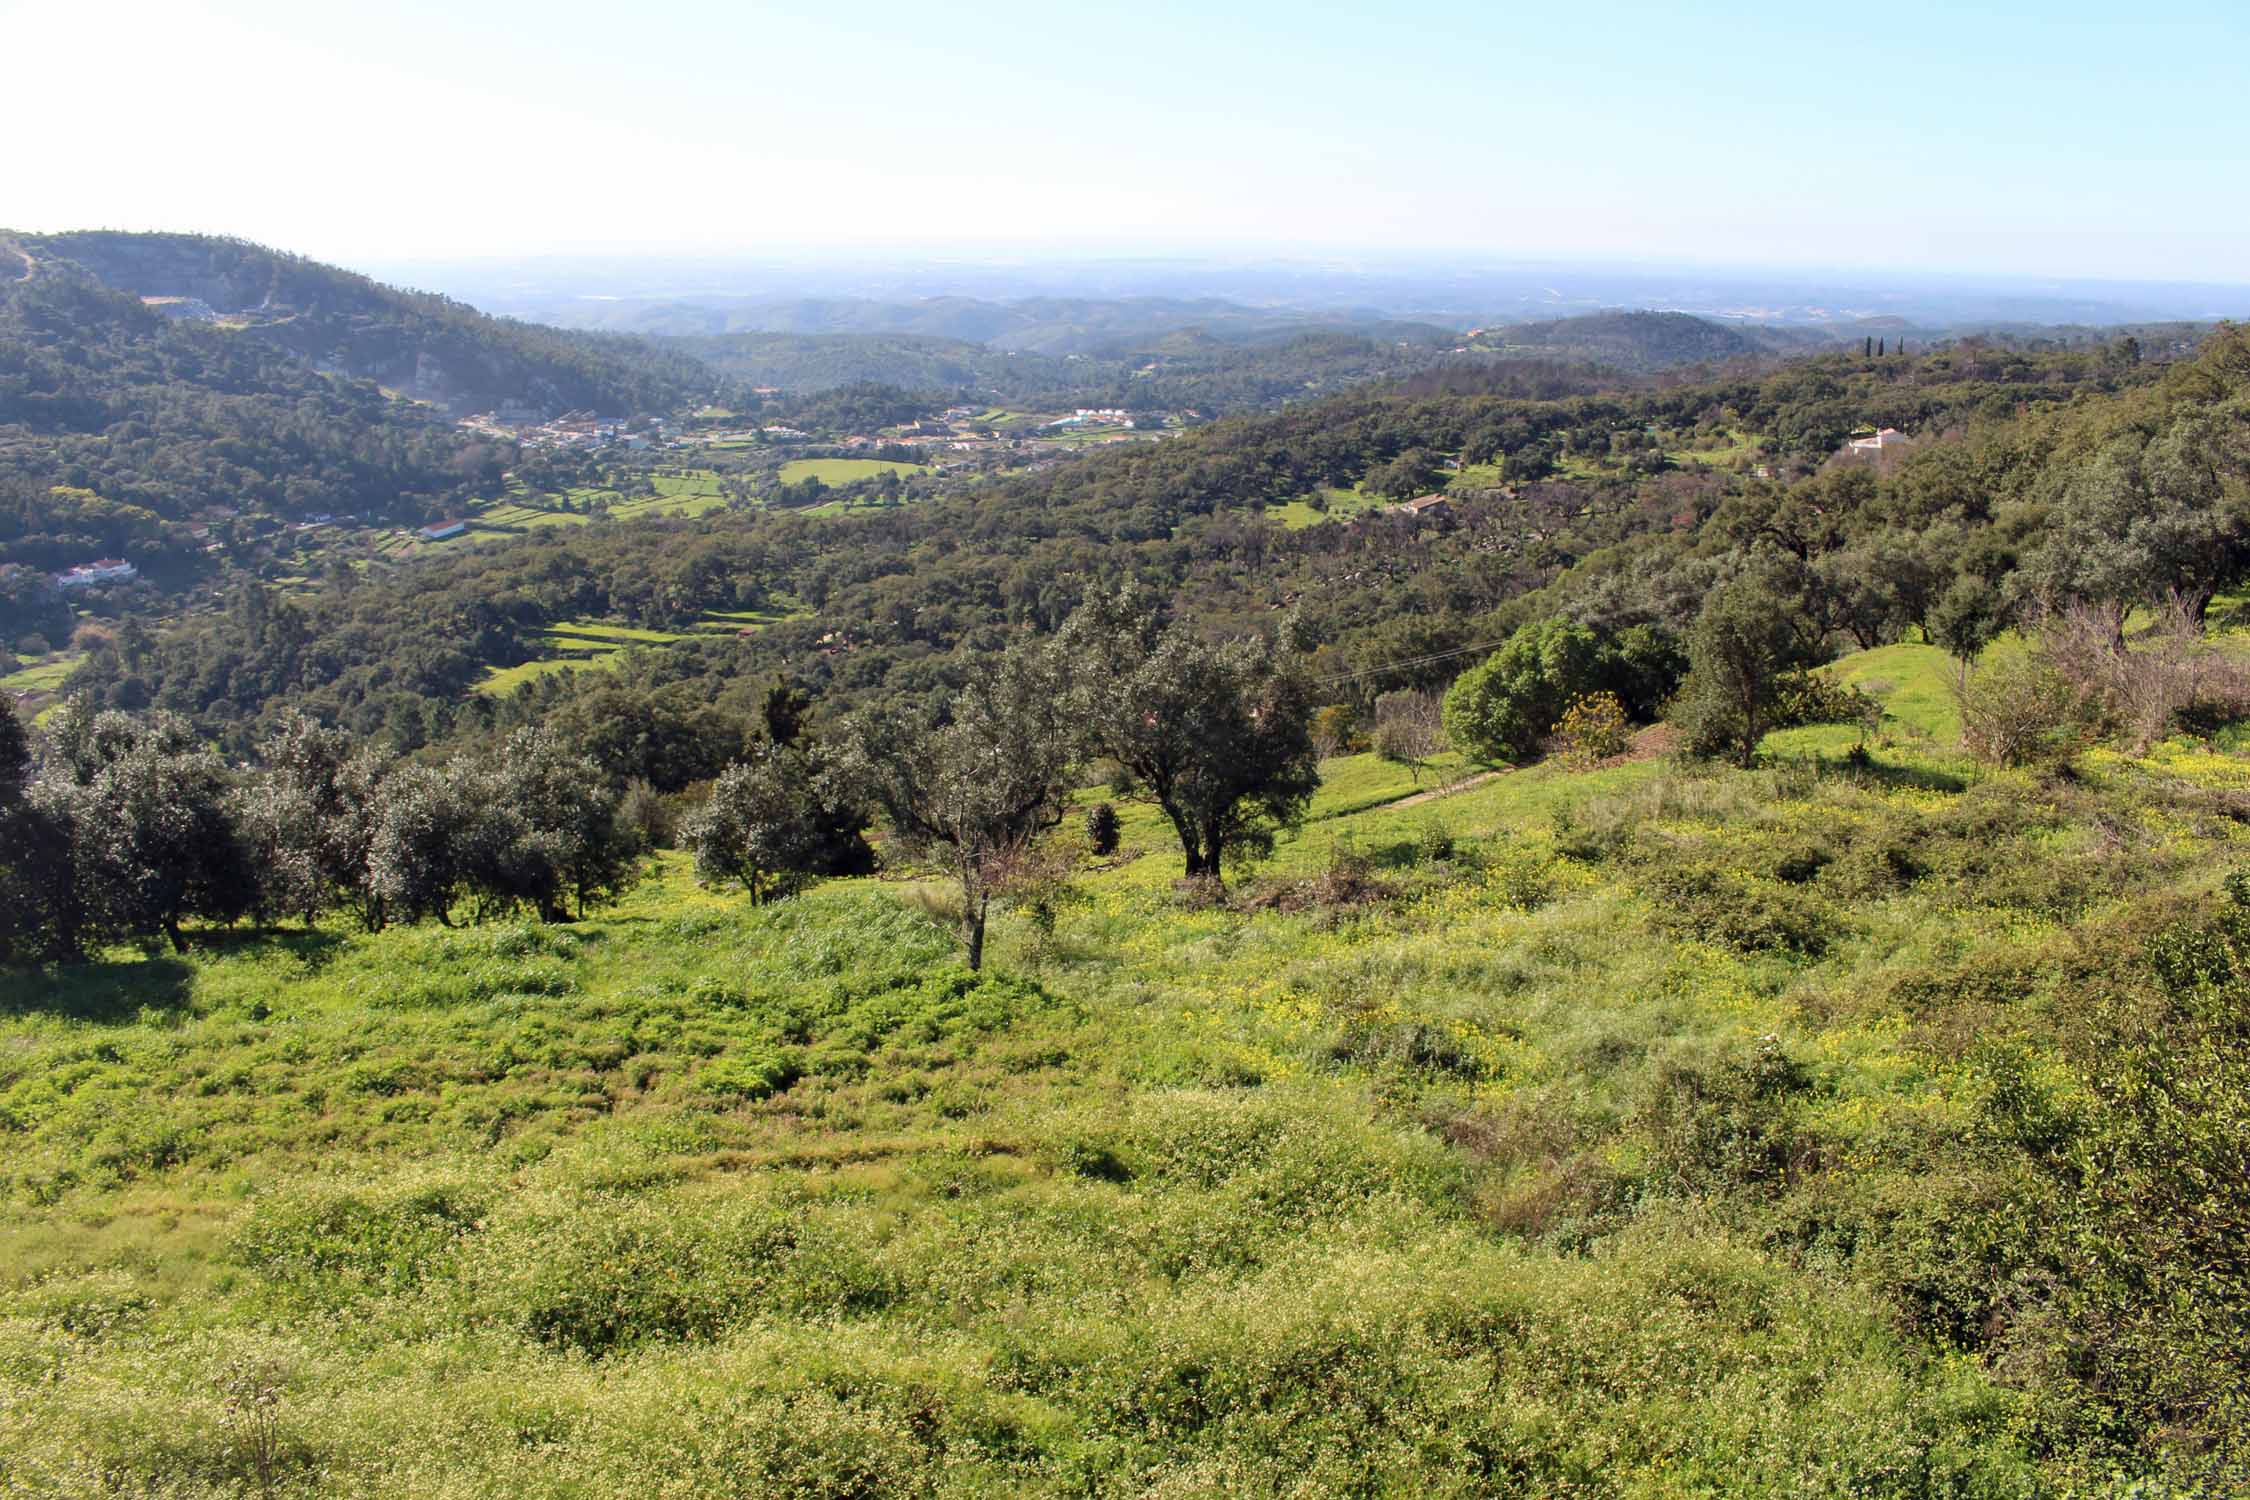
x: 598, y: 644
x: 843, y: 470
x: 1722, y: 450
x: 1337, y: 505
x: 40, y: 677
x: 1914, y: 683
x: 1354, y: 1197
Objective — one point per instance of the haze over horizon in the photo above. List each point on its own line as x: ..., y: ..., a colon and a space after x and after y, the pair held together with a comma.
x: 1748, y: 135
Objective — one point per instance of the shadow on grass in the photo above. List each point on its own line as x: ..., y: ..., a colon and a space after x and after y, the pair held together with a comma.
x: 1868, y: 770
x: 1399, y: 854
x: 313, y: 947
x: 104, y: 992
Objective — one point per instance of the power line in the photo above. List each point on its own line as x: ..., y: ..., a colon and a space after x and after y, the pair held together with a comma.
x: 1412, y: 661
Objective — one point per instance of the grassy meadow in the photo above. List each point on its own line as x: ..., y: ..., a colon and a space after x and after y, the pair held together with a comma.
x: 843, y: 470
x: 1622, y: 1133
x: 1337, y: 505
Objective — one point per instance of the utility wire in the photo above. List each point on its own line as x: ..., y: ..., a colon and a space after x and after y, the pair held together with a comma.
x: 1412, y: 661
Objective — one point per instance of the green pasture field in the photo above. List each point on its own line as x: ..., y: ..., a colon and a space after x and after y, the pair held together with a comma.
x: 1343, y: 504
x: 843, y: 470
x: 1734, y: 444
x: 40, y: 677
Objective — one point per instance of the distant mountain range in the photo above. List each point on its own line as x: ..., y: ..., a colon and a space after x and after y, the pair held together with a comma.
x: 1456, y: 294
x: 1036, y: 325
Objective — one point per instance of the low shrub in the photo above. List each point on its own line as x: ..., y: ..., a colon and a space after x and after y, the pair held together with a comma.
x: 1733, y: 1123
x: 1819, y: 698
x: 1101, y: 829
x: 1695, y: 899
x: 332, y: 1247
x: 603, y: 1272
x: 749, y: 1074
x: 2021, y: 711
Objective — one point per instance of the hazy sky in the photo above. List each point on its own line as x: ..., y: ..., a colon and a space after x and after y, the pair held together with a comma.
x: 2058, y: 138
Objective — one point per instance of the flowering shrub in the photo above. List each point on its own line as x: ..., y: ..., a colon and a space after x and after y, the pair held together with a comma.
x: 1592, y: 729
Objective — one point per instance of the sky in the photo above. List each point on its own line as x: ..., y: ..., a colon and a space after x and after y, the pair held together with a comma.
x: 2061, y: 139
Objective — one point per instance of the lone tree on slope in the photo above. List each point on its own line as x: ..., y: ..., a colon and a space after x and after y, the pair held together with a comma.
x: 971, y: 783
x: 1218, y: 732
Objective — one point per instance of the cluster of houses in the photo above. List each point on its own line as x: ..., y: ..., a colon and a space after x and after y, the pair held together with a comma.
x: 578, y: 429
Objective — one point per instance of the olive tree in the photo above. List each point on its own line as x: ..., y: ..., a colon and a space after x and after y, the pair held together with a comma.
x: 309, y: 815
x: 762, y: 826
x: 546, y: 833
x: 153, y: 832
x: 24, y: 874
x: 1217, y: 732
x: 417, y: 856
x: 972, y: 781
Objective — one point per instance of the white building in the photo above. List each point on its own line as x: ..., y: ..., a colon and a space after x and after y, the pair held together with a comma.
x: 101, y: 570
x: 1889, y: 437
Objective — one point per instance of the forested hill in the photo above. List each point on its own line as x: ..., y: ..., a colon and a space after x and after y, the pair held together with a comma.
x: 147, y: 381
x: 1184, y: 369
x: 1621, y: 505
x: 1635, y: 342
x: 418, y: 344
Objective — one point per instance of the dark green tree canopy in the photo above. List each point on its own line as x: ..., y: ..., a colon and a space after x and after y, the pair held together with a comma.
x: 1218, y: 732
x: 1748, y: 637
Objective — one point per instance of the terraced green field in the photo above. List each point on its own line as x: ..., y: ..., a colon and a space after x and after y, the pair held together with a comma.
x: 596, y: 644
x: 39, y: 677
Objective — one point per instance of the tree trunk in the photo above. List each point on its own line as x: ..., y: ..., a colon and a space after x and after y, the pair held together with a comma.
x: 972, y: 931
x: 172, y: 931
x: 1188, y: 846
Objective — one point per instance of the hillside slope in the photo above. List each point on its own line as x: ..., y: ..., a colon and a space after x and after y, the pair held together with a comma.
x: 1606, y: 1153
x: 424, y: 346
x: 1633, y: 342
